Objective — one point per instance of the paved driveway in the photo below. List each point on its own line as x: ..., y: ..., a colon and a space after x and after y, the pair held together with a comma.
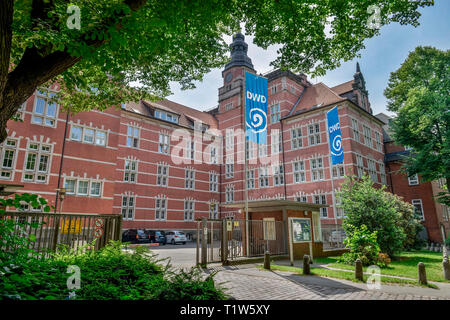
x: 180, y: 255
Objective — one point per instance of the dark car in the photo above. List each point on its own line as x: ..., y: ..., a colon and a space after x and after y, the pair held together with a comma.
x: 157, y: 236
x: 135, y: 236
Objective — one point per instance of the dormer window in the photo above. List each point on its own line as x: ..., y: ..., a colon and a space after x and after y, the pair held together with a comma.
x: 166, y: 116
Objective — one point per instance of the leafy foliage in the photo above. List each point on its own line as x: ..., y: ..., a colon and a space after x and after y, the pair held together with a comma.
x: 122, y: 43
x: 363, y: 245
x: 379, y: 211
x: 419, y: 93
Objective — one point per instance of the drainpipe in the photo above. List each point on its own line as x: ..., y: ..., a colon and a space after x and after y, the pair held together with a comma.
x: 62, y: 159
x: 282, y: 150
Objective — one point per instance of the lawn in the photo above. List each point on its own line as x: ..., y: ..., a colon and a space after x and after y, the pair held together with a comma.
x: 405, y: 265
x: 343, y: 275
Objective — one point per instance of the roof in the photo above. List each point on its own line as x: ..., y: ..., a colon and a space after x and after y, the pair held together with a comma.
x: 396, y: 156
x: 276, y: 204
x: 343, y: 87
x: 386, y: 127
x: 186, y: 114
x: 316, y: 96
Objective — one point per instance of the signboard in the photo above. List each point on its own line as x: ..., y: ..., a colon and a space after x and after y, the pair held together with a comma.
x: 236, y: 224
x: 301, y: 229
x: 70, y: 227
x: 335, y: 139
x: 98, y: 233
x: 229, y: 225
x: 99, y: 222
x: 256, y: 108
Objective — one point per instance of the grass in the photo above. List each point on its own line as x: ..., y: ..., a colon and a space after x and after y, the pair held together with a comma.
x: 405, y: 265
x: 345, y: 275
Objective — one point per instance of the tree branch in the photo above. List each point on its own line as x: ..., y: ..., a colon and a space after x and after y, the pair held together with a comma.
x: 6, y: 18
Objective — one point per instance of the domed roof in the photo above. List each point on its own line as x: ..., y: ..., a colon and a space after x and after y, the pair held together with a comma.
x: 239, y: 50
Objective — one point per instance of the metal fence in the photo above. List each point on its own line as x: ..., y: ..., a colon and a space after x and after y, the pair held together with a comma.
x: 73, y: 230
x: 229, y: 233
x: 332, y: 236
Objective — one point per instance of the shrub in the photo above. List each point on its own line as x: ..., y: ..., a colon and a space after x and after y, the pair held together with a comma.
x: 376, y: 209
x: 447, y: 241
x: 383, y: 260
x: 363, y: 245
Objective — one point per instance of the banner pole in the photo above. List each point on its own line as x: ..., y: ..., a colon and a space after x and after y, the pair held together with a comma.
x: 247, y: 238
x: 333, y: 195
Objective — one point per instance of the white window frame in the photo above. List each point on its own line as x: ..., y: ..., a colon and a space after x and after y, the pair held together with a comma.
x: 229, y: 170
x: 213, y: 210
x: 161, y: 209
x: 413, y: 180
x: 130, y: 171
x: 296, y: 138
x: 338, y: 171
x: 321, y: 199
x: 275, y: 113
x: 250, y: 178
x: 356, y: 132
x: 367, y: 132
x: 45, y: 95
x: 189, y: 179
x: 39, y: 153
x: 189, y: 210
x: 213, y: 181
x: 263, y: 177
x: 299, y: 171
x: 133, y: 136
x: 419, y: 202
x: 278, y: 175
x: 7, y: 172
x: 128, y: 208
x: 229, y: 194
x: 162, y: 178
x: 317, y: 169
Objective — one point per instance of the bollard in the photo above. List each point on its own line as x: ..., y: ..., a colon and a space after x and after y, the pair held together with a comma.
x: 446, y: 268
x: 422, y: 273
x: 267, y: 260
x: 306, y: 266
x: 358, y: 270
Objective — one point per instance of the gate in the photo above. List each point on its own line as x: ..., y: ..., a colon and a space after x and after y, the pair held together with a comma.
x: 74, y: 230
x: 231, y: 234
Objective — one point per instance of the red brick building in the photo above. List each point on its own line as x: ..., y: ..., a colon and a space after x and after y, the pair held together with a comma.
x: 435, y: 216
x: 162, y: 165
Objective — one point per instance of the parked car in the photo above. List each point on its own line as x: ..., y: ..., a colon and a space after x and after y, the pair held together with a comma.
x: 135, y: 236
x: 157, y: 236
x: 175, y: 237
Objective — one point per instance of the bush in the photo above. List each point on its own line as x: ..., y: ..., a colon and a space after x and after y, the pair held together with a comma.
x: 377, y: 210
x: 107, y: 274
x: 447, y: 241
x: 363, y: 245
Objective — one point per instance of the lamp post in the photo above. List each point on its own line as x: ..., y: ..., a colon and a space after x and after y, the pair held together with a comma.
x: 62, y: 195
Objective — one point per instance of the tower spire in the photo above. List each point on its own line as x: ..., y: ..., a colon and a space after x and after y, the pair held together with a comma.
x: 239, y: 50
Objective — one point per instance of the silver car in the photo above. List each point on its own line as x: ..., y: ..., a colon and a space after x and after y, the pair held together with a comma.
x: 175, y: 237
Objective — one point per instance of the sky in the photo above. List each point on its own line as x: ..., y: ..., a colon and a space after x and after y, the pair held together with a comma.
x: 383, y: 54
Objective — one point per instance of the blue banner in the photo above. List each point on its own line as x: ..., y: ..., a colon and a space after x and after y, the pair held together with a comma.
x: 256, y: 108
x: 335, y: 139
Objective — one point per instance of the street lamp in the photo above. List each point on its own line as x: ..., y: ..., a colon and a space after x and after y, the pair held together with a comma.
x: 62, y: 195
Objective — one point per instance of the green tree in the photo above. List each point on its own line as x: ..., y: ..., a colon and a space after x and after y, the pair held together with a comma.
x: 366, y: 205
x: 153, y: 42
x: 419, y: 93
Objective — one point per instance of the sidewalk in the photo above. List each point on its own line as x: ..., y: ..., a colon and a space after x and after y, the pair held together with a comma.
x: 247, y: 282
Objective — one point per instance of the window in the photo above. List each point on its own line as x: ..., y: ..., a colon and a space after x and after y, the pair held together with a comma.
x: 278, y: 175
x: 355, y: 128
x: 418, y: 208
x: 314, y: 134
x: 229, y: 139
x: 413, y: 180
x: 275, y: 113
x: 445, y: 212
x: 367, y: 136
x: 316, y: 169
x: 382, y: 173
x: 251, y: 179
x: 37, y: 162
x: 229, y: 170
x: 213, y: 210
x: 163, y: 115
x: 190, y: 149
x: 359, y: 165
x: 163, y: 143
x: 83, y: 188
x: 132, y: 137
x: 76, y: 133
x: 269, y: 229
x: 189, y: 179
x: 249, y: 154
x: 229, y: 106
x: 162, y: 176
x: 297, y: 139
x: 263, y: 177
x: 130, y: 171
x: 88, y: 136
x: 213, y: 181
x: 70, y: 186
x: 188, y: 210
x: 299, y: 172
x: 7, y: 154
x: 262, y: 150
x: 44, y: 112
x: 302, y: 198
x: 160, y: 209
x: 338, y: 171
x: 372, y: 170
x: 339, y: 210
x: 273, y: 89
x: 229, y: 194
x: 321, y: 199
x: 441, y: 183
x: 128, y: 204
x: 95, y: 189
x: 378, y: 141
x: 213, y: 155
x: 276, y: 142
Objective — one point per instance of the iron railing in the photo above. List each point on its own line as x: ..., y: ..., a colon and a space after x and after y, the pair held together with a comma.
x: 73, y: 230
